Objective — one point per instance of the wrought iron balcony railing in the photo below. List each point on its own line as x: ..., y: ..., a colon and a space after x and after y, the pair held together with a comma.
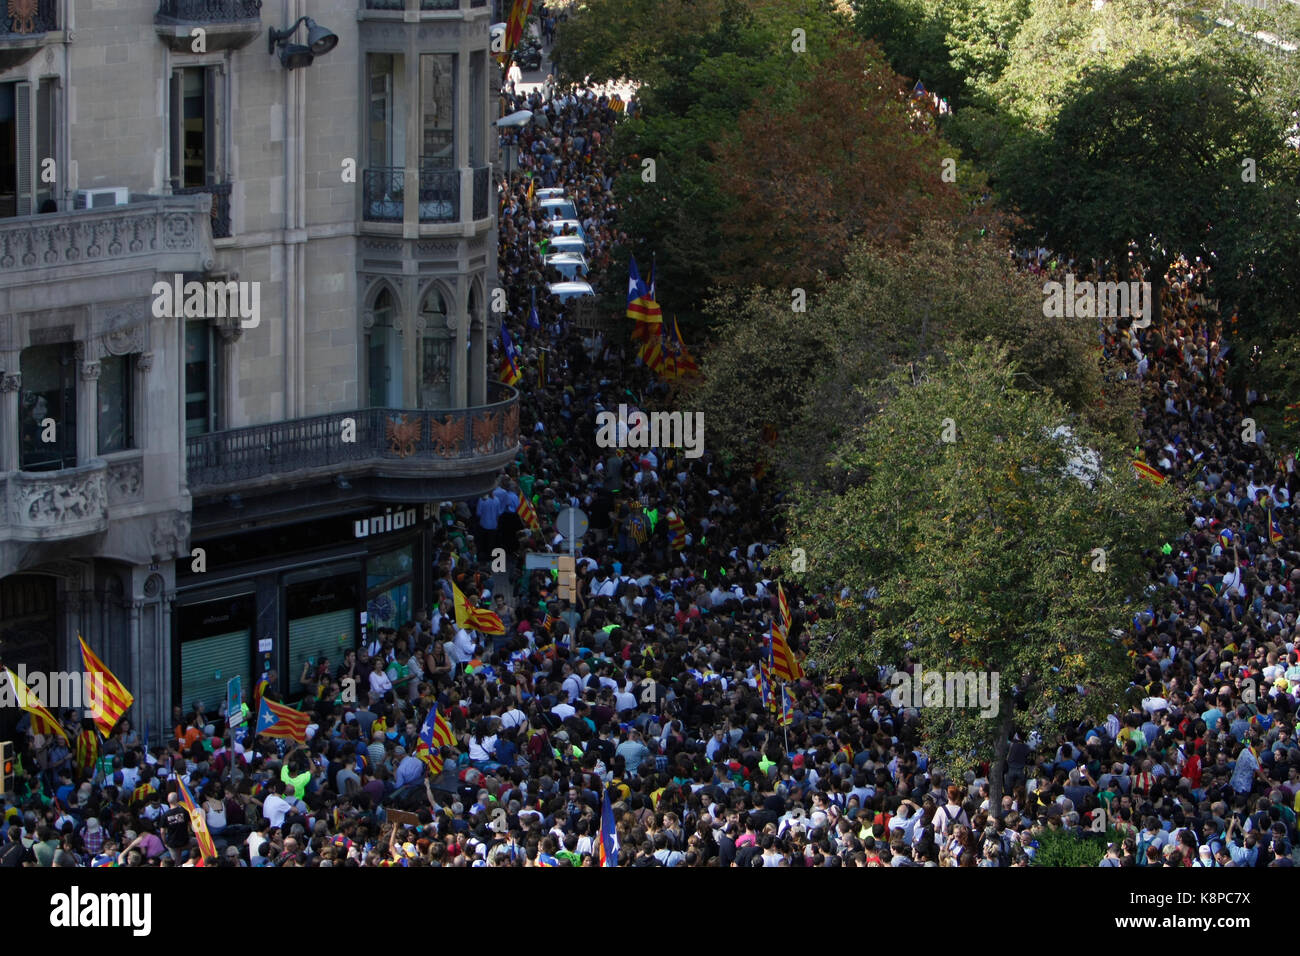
x: 209, y: 11
x: 439, y: 191
x: 383, y: 189
x: 220, y: 214
x: 383, y: 435
x: 29, y: 18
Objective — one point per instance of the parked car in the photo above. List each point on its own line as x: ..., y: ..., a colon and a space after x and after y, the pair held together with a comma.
x: 568, y: 264
x: 565, y: 291
x: 558, y: 208
x: 566, y: 244
x: 558, y: 226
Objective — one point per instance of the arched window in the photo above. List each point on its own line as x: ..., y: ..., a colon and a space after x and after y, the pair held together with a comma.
x: 435, y: 352
x: 384, y: 354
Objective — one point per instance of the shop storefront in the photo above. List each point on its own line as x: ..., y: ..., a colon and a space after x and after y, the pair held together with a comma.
x: 278, y: 598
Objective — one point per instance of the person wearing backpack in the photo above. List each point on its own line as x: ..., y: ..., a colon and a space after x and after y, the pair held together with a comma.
x: 666, y: 855
x: 951, y: 814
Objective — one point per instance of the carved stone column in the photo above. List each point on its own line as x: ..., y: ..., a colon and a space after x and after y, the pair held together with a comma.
x: 10, y: 387
x: 88, y: 412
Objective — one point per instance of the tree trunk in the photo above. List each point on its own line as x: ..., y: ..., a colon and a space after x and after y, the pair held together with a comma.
x: 1000, y: 749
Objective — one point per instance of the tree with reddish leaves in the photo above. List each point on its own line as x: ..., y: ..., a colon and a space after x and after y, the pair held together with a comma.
x: 848, y: 155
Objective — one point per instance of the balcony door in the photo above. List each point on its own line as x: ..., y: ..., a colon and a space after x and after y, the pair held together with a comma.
x: 196, y: 105
x: 384, y: 352
x: 47, y: 414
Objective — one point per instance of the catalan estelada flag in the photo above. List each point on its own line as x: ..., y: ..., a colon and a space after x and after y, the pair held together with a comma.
x: 1149, y: 473
x: 110, y: 699
x: 508, y: 371
x: 1275, y: 532
x: 532, y: 189
x: 198, y: 822
x: 434, y: 735
x: 527, y: 514
x: 678, y: 362
x: 43, y: 722
x: 607, y: 851
x: 473, y: 618
x: 787, y: 708
x: 641, y: 305
x: 277, y: 720
x: 676, y: 531
x: 785, y: 667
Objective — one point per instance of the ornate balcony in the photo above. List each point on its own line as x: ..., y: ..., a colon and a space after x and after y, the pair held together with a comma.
x: 23, y: 28
x: 55, y: 505
x: 392, y: 442
x: 439, y: 192
x: 226, y: 24
x: 383, y: 191
x: 167, y: 233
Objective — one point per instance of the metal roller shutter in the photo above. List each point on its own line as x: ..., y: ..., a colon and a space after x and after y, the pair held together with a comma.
x: 319, y: 636
x: 203, y: 659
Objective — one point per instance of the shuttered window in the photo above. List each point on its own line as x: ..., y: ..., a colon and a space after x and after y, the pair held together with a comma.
x: 331, y: 635
x: 203, y: 659
x: 25, y: 149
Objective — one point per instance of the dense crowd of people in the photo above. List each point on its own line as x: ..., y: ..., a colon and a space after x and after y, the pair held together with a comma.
x: 646, y: 688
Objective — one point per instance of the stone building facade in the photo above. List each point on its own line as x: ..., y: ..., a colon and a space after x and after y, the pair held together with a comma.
x: 179, y: 484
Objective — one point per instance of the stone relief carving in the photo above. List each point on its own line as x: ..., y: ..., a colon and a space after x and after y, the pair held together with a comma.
x: 126, y: 329
x: 171, y: 534
x: 11, y: 382
x: 90, y: 371
x: 51, y: 503
x: 51, y: 244
x: 125, y: 481
x: 145, y: 361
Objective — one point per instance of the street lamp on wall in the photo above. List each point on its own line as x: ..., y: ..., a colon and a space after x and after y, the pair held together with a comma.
x: 294, y: 55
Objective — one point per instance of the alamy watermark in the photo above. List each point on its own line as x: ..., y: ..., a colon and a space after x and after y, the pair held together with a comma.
x: 638, y: 429
x: 208, y: 300
x: 53, y: 689
x: 1099, y: 300
x: 946, y: 689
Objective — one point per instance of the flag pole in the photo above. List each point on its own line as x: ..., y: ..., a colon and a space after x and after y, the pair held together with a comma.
x: 785, y: 728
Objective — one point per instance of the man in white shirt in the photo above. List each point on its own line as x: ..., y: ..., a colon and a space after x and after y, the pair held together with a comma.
x: 463, y: 646
x: 275, y: 807
x: 564, y: 710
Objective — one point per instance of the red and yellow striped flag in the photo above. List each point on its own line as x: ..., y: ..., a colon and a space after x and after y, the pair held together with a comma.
x: 784, y: 607
x: 43, y: 722
x: 86, y: 751
x: 784, y: 665
x: 434, y: 735
x: 473, y: 618
x: 109, y: 699
x: 279, y: 720
x: 198, y: 822
x: 1149, y: 473
x: 528, y: 515
x: 515, y: 28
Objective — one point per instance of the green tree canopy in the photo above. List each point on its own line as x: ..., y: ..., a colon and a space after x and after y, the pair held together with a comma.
x: 982, y: 550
